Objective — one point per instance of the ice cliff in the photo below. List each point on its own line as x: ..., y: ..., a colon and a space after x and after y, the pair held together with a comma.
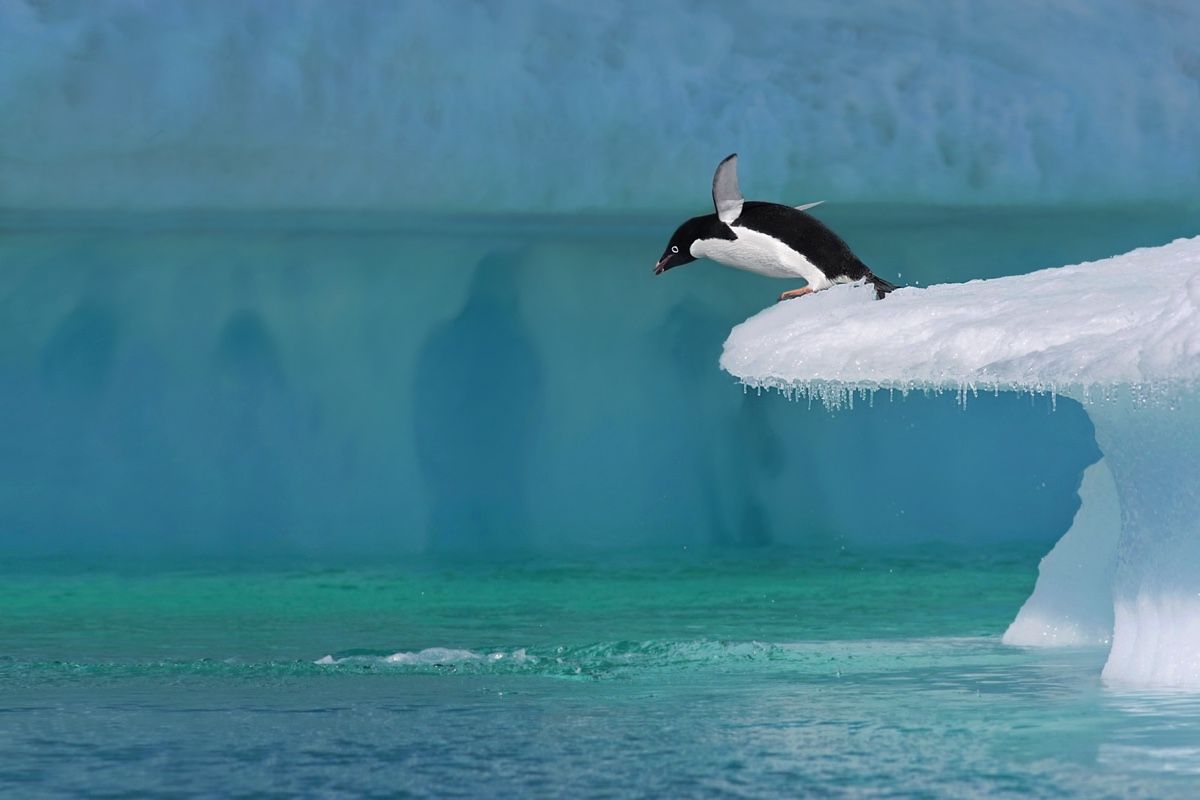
x: 1122, y: 336
x: 552, y: 106
x: 249, y: 387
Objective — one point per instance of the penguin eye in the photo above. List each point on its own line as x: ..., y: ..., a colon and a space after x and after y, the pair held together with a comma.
x: 674, y: 248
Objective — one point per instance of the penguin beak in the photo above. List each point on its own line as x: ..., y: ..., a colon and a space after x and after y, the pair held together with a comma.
x: 661, y: 266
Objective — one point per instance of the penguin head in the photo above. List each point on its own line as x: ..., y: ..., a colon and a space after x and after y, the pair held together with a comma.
x: 679, y: 249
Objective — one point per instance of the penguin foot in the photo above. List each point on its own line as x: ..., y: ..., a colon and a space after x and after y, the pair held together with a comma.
x: 789, y: 294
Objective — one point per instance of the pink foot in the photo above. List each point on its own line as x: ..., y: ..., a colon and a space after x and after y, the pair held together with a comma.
x: 788, y: 295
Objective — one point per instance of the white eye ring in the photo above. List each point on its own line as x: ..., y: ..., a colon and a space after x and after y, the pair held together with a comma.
x: 674, y: 249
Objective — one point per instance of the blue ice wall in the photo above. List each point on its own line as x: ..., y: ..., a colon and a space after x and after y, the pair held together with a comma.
x: 356, y: 385
x: 380, y: 325
x: 553, y: 106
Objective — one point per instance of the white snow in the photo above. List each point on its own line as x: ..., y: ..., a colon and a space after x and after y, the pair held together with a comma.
x: 1121, y: 335
x: 1132, y: 319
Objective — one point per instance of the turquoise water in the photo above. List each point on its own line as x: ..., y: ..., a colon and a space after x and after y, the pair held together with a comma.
x: 714, y: 674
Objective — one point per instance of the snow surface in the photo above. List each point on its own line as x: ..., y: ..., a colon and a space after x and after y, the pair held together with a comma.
x: 1132, y: 319
x: 1121, y: 335
x: 492, y: 106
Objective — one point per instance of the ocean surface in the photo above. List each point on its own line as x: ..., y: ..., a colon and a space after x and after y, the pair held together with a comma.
x: 297, y: 505
x: 722, y: 673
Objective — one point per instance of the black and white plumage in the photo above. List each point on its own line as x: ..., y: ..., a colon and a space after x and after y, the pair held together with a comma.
x: 768, y: 238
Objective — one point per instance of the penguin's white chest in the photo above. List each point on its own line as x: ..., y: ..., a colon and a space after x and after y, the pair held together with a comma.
x: 754, y: 251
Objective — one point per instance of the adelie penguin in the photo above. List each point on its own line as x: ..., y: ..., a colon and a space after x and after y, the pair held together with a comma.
x: 767, y: 238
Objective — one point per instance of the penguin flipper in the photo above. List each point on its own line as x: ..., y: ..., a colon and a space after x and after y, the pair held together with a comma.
x: 727, y: 197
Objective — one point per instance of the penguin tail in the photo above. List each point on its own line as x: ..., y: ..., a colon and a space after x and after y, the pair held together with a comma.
x: 882, y: 287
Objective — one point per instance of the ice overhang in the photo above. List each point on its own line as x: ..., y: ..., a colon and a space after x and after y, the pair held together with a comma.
x: 1121, y: 335
x: 1129, y: 320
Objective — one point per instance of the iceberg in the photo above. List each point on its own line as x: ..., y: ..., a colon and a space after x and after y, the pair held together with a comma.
x: 1122, y: 336
x: 246, y: 386
x: 1072, y: 602
x: 125, y: 105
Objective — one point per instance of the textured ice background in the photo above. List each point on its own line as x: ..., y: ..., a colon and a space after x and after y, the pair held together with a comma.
x: 245, y: 388
x: 1121, y: 335
x: 565, y: 106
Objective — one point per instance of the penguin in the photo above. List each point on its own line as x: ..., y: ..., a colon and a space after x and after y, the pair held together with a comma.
x: 768, y: 238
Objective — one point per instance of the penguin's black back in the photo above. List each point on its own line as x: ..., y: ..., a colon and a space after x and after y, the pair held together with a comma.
x: 805, y: 234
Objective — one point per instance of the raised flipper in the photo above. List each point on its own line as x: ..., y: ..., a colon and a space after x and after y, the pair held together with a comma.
x: 727, y: 197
